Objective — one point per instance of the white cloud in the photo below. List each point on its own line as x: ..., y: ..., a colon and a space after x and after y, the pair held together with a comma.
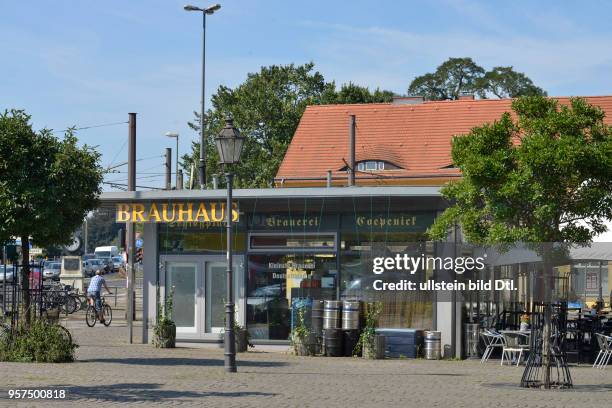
x: 391, y: 58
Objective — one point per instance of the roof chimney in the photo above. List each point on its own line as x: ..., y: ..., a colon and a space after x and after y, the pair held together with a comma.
x: 407, y: 100
x: 466, y: 96
x: 351, y: 166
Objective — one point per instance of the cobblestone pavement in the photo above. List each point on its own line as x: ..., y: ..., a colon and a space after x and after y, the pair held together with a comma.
x: 109, y: 372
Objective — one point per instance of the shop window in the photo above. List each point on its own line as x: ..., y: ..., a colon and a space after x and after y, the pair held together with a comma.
x: 277, y: 285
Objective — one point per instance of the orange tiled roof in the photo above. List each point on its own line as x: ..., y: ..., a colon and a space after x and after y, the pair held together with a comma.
x: 415, y: 137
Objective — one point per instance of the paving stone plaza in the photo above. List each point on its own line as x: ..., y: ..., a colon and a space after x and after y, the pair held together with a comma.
x: 109, y: 372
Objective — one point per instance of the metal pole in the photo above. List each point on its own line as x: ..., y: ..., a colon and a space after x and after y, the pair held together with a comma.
x: 600, y: 299
x: 177, y: 162
x: 131, y: 231
x: 202, y: 167
x: 351, y: 170
x: 85, y: 238
x: 168, y: 168
x: 230, y: 345
x: 179, y: 180
x: 454, y: 303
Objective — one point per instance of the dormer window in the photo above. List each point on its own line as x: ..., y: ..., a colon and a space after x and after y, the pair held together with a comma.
x: 375, y: 165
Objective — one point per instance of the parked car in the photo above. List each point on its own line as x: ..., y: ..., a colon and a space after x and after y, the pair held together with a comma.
x: 87, y: 257
x: 118, y: 263
x: 35, y: 276
x: 6, y: 273
x: 106, y: 251
x: 52, y: 270
x: 92, y: 265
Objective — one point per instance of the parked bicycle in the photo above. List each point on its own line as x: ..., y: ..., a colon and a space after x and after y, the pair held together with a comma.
x: 91, y: 317
x: 59, y: 296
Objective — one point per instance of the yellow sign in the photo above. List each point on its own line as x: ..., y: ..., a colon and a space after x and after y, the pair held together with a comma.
x: 174, y: 212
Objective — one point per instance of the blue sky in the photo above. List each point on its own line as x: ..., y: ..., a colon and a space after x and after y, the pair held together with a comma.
x: 86, y: 63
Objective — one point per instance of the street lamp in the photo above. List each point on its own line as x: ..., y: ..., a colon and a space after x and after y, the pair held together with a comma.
x: 229, y: 145
x: 202, y: 166
x: 176, y: 135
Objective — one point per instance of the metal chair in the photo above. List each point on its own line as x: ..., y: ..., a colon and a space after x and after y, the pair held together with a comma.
x: 491, y: 340
x: 605, y: 351
x: 514, y: 343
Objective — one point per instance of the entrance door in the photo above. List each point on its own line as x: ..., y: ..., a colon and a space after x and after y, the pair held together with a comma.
x: 181, y: 282
x: 199, y: 285
x: 216, y: 294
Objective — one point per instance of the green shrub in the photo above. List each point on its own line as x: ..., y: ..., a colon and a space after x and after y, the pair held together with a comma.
x: 368, y: 334
x: 42, y: 343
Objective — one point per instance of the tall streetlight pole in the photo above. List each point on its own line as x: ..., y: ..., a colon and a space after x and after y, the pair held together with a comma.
x: 175, y: 135
x: 202, y: 164
x: 229, y: 144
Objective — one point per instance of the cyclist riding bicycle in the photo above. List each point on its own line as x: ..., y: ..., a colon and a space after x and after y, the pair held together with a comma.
x: 93, y: 293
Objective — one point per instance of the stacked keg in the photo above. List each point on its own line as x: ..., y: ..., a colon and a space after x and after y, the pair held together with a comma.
x: 341, y: 324
x: 351, y: 313
x: 432, y: 345
x: 317, y: 318
x: 316, y: 323
x: 332, y: 331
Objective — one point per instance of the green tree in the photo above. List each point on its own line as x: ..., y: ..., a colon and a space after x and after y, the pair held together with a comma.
x: 267, y: 108
x: 457, y: 76
x: 504, y: 82
x: 352, y: 93
x: 102, y: 229
x: 452, y: 78
x: 554, y: 186
x: 47, y: 185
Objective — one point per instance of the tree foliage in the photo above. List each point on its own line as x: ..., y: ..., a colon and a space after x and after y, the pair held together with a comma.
x: 102, y: 229
x: 267, y: 108
x: 504, y: 82
x: 553, y: 186
x: 452, y: 78
x: 458, y: 76
x: 47, y: 185
x: 352, y: 93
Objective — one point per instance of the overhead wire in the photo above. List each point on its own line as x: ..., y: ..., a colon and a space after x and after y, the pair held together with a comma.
x: 94, y: 126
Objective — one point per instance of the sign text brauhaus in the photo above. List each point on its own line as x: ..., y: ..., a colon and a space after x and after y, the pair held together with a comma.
x: 204, y: 211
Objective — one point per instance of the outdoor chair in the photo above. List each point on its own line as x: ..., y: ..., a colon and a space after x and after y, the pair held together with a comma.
x: 491, y: 340
x: 605, y: 351
x: 513, y: 344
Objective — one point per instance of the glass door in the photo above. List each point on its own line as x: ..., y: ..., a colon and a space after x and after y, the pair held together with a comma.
x: 216, y: 294
x: 182, y: 279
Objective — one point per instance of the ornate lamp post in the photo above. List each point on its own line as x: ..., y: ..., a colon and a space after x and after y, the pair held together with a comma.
x: 229, y: 145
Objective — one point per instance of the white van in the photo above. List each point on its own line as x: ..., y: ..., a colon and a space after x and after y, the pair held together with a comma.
x: 105, y: 252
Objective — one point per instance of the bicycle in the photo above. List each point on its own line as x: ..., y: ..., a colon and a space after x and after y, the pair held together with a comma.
x: 91, y: 316
x: 81, y: 301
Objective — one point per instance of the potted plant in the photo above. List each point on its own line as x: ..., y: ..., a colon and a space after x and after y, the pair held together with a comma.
x: 165, y: 329
x: 242, y: 338
x: 524, y: 322
x: 302, y: 339
x: 370, y: 344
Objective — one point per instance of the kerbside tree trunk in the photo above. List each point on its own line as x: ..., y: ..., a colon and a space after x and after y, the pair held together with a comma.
x: 547, y: 329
